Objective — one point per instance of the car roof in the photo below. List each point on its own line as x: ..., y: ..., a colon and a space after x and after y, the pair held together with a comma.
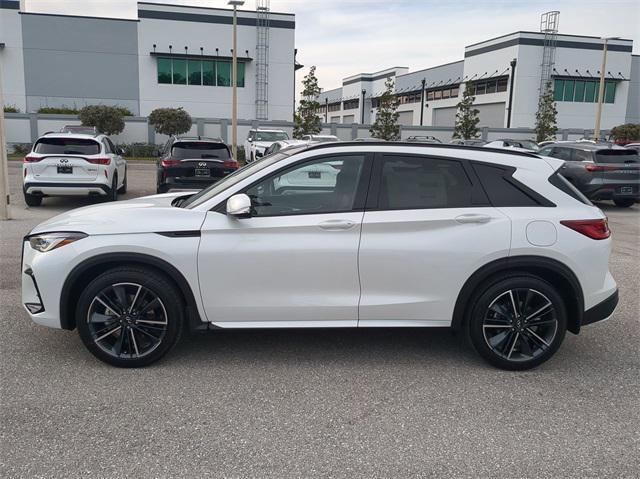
x: 269, y: 130
x: 84, y: 136
x: 583, y: 145
x: 203, y: 139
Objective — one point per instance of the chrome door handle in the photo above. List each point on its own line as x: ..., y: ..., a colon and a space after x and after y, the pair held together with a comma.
x: 337, y: 225
x: 473, y: 218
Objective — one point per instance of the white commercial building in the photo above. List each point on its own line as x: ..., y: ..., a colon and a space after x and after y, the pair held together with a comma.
x: 170, y: 56
x: 495, y: 67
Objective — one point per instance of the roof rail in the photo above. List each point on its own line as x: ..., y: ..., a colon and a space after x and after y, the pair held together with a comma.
x: 423, y: 145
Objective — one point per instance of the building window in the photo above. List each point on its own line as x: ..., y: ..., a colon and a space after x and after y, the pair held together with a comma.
x: 334, y: 106
x: 179, y: 71
x: 351, y: 104
x: 440, y: 93
x: 582, y: 90
x: 490, y: 85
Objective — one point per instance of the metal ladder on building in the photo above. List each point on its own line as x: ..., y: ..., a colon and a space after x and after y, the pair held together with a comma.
x: 262, y: 59
x: 548, y: 26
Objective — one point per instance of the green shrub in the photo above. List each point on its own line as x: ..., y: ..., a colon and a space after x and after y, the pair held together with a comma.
x: 11, y: 109
x: 626, y: 133
x: 170, y: 121
x: 22, y: 148
x: 242, y: 159
x: 139, y: 150
x: 62, y: 110
x: 124, y: 110
x: 106, y: 119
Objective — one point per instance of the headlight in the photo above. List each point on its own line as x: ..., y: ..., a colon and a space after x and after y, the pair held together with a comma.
x: 48, y: 241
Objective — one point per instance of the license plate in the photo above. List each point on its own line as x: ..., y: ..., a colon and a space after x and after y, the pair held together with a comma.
x: 203, y: 172
x: 626, y: 190
x: 315, y: 175
x: 65, y: 170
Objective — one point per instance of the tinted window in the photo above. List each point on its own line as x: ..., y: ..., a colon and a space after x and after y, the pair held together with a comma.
x: 199, y: 150
x: 67, y: 146
x: 271, y: 136
x: 545, y: 151
x: 501, y: 188
x: 417, y: 183
x: 617, y: 156
x: 582, y: 155
x: 561, y: 153
x: 563, y: 184
x: 326, y: 185
x: 107, y: 148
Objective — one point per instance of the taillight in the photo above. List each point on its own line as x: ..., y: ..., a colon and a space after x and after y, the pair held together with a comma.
x: 99, y: 161
x: 594, y: 229
x: 594, y: 167
x: 32, y: 159
x: 230, y: 164
x: 169, y: 163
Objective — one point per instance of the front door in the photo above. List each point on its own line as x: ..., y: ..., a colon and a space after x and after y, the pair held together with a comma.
x: 294, y: 262
x: 427, y: 228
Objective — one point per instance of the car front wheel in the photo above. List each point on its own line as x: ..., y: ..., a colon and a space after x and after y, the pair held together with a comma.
x: 624, y: 202
x: 518, y: 322
x: 129, y: 317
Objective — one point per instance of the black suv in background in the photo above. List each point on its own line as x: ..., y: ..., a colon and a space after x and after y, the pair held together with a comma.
x: 193, y: 162
x: 600, y: 171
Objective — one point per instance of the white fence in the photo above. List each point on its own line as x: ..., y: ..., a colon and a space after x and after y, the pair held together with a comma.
x: 27, y: 127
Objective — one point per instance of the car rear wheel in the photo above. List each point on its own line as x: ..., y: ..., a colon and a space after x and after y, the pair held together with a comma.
x: 517, y: 322
x: 129, y: 317
x: 624, y: 202
x: 32, y: 200
x: 113, y: 192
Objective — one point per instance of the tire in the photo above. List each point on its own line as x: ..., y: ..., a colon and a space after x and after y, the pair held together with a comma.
x: 150, y: 332
x: 123, y: 188
x: 113, y: 191
x: 32, y: 200
x: 624, y: 202
x: 162, y: 189
x: 523, y: 340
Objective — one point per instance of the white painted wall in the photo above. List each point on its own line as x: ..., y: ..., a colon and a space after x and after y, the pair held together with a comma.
x: 12, y: 59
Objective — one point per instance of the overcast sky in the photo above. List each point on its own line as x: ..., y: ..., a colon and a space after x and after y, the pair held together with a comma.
x: 344, y: 37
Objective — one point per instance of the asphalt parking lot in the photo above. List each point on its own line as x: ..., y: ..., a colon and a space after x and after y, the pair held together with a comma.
x: 316, y: 403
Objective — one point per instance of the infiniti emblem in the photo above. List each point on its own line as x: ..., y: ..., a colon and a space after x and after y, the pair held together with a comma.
x: 64, y: 160
x: 202, y: 163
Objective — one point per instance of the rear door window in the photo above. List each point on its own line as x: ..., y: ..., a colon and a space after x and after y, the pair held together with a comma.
x: 67, y: 146
x: 561, y: 153
x: 502, y: 189
x: 617, y: 156
x: 410, y: 182
x: 198, y: 150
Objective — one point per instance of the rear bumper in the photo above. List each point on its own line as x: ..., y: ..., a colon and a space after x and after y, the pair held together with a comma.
x: 66, y: 189
x: 193, y: 182
x: 612, y: 191
x: 601, y: 311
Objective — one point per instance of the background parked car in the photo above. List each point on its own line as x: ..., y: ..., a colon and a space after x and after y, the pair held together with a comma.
x: 599, y: 171
x: 320, y: 138
x: 633, y: 146
x: 279, y: 145
x: 526, y: 145
x: 471, y: 142
x: 70, y: 164
x: 193, y: 162
x: 422, y: 139
x: 259, y: 140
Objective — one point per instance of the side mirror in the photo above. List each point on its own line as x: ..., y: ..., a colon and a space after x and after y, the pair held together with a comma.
x: 250, y: 140
x: 239, y: 206
x: 120, y: 151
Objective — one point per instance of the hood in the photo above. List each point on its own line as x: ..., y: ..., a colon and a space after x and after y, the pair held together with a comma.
x: 263, y: 144
x: 141, y: 215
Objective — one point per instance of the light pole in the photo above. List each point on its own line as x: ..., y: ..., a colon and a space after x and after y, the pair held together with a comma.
x: 596, y: 130
x: 4, y: 170
x: 234, y: 80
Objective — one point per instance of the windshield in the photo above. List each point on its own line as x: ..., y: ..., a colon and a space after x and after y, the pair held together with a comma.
x: 271, y: 136
x: 199, y: 150
x: 237, y: 177
x: 67, y: 146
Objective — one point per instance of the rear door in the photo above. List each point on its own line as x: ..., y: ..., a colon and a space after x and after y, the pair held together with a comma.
x: 65, y: 159
x: 427, y: 227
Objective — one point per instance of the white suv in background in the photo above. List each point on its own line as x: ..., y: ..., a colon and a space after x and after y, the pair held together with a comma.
x: 259, y: 140
x: 492, y: 242
x: 68, y: 164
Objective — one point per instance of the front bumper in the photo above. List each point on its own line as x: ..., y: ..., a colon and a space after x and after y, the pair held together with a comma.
x: 601, y: 311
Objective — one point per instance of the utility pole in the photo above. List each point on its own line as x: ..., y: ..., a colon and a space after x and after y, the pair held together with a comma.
x: 234, y: 80
x: 4, y: 167
x: 511, y: 83
x: 424, y: 81
x: 596, y: 130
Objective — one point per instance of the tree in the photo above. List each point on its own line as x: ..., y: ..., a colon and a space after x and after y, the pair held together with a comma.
x: 106, y: 119
x: 467, y: 118
x: 546, y: 116
x: 386, y: 125
x: 170, y: 121
x: 627, y: 133
x: 306, y: 120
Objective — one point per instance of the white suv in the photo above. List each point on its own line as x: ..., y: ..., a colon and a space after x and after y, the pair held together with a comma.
x: 491, y: 242
x: 259, y: 140
x: 62, y: 164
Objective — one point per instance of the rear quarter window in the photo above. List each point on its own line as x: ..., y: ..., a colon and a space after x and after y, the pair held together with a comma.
x: 565, y: 186
x: 503, y: 190
x: 66, y: 146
